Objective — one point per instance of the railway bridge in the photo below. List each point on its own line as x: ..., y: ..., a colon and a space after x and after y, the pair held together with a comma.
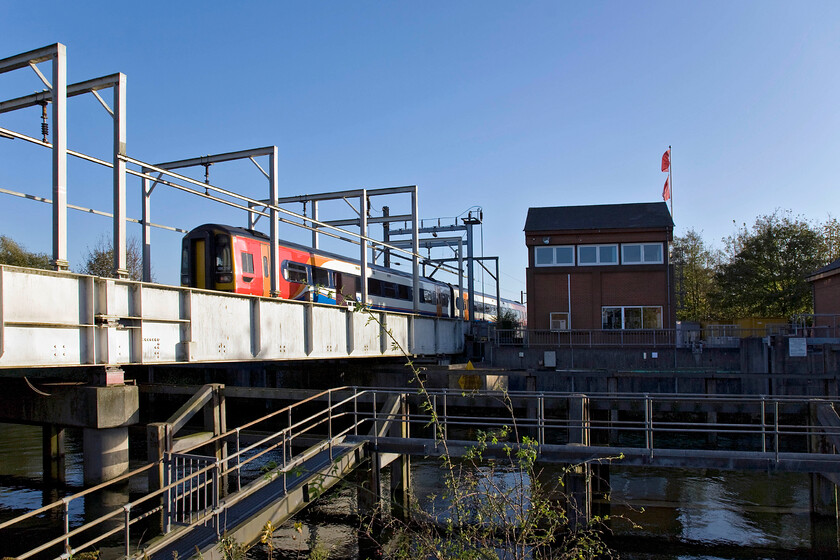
x: 51, y: 321
x: 200, y: 486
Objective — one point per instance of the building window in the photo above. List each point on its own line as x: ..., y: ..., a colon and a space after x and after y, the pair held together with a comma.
x: 563, y: 255
x: 631, y: 317
x: 559, y: 321
x: 641, y: 253
x: 589, y: 255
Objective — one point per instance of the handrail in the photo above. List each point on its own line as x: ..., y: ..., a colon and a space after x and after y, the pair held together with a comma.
x: 774, y: 434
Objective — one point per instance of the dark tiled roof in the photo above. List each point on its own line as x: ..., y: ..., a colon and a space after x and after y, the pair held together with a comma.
x: 827, y: 268
x: 600, y: 216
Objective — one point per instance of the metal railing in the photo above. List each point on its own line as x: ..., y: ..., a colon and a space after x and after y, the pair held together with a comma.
x: 194, y: 492
x: 585, y: 338
x: 713, y: 336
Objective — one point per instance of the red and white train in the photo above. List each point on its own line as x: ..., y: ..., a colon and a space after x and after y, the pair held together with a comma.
x: 232, y: 259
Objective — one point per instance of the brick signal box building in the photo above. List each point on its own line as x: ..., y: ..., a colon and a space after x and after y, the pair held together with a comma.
x: 600, y: 267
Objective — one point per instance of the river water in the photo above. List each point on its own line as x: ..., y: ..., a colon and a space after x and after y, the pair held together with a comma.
x: 681, y: 514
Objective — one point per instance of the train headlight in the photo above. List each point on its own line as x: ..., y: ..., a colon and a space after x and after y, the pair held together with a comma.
x: 224, y: 278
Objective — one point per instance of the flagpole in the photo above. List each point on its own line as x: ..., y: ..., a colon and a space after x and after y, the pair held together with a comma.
x: 671, y: 179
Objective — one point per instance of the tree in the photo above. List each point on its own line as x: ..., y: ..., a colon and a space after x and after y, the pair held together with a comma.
x: 14, y: 254
x: 767, y: 265
x: 100, y: 259
x: 694, y: 267
x: 830, y: 231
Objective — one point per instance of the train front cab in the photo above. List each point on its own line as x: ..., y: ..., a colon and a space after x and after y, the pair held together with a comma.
x: 217, y: 259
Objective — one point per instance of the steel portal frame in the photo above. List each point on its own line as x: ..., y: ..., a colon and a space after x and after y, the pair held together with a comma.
x: 57, y: 95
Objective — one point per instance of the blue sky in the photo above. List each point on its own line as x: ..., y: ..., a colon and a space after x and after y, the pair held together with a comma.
x: 502, y: 105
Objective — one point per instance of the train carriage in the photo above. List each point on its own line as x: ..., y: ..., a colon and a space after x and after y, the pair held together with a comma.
x: 220, y: 257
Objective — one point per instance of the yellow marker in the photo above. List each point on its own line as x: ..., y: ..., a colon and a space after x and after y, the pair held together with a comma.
x: 469, y: 366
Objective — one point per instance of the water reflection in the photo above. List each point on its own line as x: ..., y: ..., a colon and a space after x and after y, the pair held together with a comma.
x: 749, y: 515
x: 722, y: 515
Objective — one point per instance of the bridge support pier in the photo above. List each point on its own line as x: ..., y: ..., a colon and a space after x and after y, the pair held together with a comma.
x: 577, y: 482
x: 105, y: 454
x: 712, y: 415
x: 52, y: 444
x: 600, y: 489
x: 400, y: 467
x: 369, y: 495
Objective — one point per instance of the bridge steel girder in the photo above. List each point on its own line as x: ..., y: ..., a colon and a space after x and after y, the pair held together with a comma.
x: 80, y: 320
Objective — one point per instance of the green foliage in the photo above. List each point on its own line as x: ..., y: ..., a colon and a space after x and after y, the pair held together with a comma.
x: 100, y: 259
x: 767, y: 265
x: 14, y: 254
x: 507, y: 319
x: 230, y: 549
x: 694, y: 264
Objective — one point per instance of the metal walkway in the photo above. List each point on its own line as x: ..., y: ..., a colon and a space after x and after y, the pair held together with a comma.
x: 267, y: 469
x: 62, y: 319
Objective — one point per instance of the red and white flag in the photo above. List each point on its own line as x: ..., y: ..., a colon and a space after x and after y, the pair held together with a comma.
x: 666, y: 190
x: 666, y: 160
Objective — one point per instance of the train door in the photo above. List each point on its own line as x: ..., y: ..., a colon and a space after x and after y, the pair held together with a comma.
x: 265, y: 259
x: 438, y: 301
x: 200, y: 263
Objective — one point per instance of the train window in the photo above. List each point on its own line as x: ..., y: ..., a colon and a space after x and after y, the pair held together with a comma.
x: 185, y: 258
x: 322, y: 277
x: 223, y: 258
x: 247, y: 263
x: 374, y: 287
x: 427, y: 296
x: 389, y: 289
x: 265, y: 267
x: 404, y: 292
x: 296, y: 272
x: 444, y: 299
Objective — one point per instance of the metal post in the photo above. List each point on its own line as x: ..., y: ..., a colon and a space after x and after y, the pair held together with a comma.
x: 127, y: 512
x: 275, y: 241
x: 445, y: 417
x: 119, y: 240
x: 763, y: 436
x: 289, y: 435
x: 355, y: 411
x: 59, y: 157
x: 66, y: 501
x: 649, y: 425
x: 498, y: 291
x: 252, y: 217
x: 315, y: 239
x: 147, y: 189
x: 238, y: 463
x: 375, y: 423
x: 386, y: 237
x: 363, y: 246
x: 461, y: 277
x: 415, y: 249
x: 329, y: 424
x: 167, y: 524
x: 470, y: 283
x: 285, y: 435
x: 776, y: 428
